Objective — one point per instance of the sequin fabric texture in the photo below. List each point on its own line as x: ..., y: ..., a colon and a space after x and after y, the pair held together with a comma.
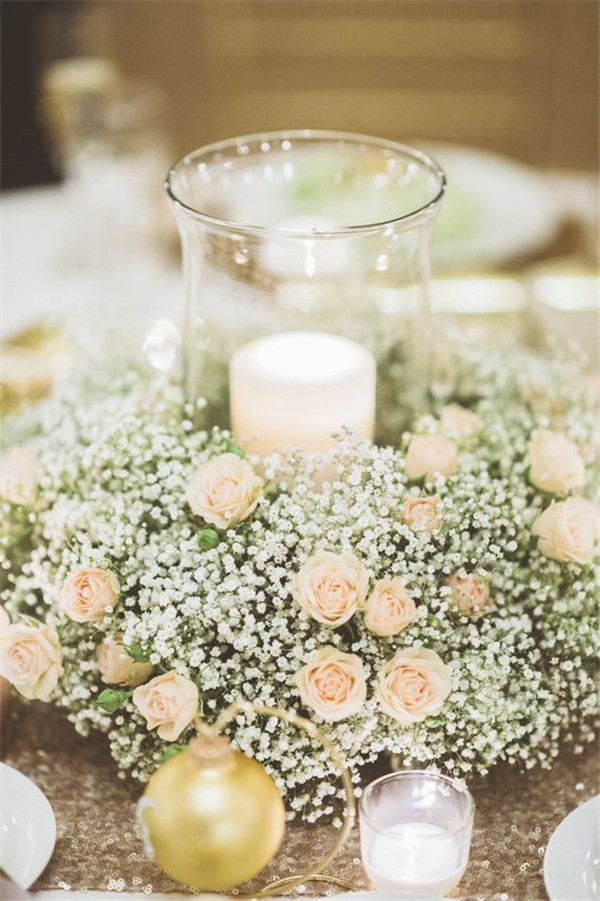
x: 98, y: 846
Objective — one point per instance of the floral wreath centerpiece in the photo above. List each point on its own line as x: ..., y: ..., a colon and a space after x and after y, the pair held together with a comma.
x: 432, y: 596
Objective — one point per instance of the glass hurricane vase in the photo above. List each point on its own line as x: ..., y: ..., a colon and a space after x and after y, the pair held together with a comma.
x: 306, y: 259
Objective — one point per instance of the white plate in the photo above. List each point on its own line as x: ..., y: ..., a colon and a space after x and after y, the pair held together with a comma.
x: 571, y: 865
x: 28, y: 827
x: 495, y: 209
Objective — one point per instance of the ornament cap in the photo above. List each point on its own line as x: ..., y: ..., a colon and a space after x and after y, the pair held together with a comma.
x: 209, y: 749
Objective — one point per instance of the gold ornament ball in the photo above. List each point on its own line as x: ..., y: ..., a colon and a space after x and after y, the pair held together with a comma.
x: 212, y: 816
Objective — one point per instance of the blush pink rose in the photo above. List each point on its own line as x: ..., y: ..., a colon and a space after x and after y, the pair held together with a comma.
x: 421, y: 513
x: 118, y: 668
x: 414, y: 685
x: 389, y: 608
x: 168, y: 703
x: 555, y: 464
x: 470, y: 595
x: 19, y: 471
x: 568, y: 530
x: 429, y: 456
x: 31, y: 659
x: 333, y: 684
x: 459, y: 421
x: 88, y: 593
x: 331, y: 587
x: 224, y: 491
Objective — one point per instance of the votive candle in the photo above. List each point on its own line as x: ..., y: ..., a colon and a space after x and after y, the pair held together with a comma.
x: 416, y: 832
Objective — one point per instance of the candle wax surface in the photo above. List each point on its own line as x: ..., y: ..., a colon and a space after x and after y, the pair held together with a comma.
x: 299, y: 388
x: 418, y: 856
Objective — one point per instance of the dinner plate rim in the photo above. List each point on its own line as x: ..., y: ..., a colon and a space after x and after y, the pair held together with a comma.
x: 564, y: 828
x: 47, y: 841
x: 492, y: 245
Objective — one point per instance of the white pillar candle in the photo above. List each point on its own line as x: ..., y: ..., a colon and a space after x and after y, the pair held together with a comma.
x: 417, y: 857
x: 298, y: 388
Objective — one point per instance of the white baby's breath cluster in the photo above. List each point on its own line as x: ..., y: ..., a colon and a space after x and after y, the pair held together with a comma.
x: 427, y: 610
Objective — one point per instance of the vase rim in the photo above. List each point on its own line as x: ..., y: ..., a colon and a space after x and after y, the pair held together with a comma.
x: 406, y: 220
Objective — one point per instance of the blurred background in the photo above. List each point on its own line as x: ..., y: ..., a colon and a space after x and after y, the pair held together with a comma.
x: 99, y: 96
x: 519, y: 78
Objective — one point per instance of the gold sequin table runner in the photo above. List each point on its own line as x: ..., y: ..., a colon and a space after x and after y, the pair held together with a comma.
x: 98, y: 848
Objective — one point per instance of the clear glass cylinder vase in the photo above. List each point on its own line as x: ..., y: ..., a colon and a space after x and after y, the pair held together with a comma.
x: 306, y: 259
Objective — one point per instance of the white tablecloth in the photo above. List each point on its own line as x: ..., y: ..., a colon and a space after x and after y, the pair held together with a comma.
x: 44, y: 274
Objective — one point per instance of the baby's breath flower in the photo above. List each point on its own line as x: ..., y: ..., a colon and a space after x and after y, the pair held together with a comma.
x: 216, y: 605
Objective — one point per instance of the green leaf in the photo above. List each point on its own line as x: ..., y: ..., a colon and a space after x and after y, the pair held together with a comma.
x: 432, y: 619
x: 137, y: 653
x: 110, y: 699
x: 434, y: 720
x: 233, y: 448
x: 172, y: 751
x: 207, y: 539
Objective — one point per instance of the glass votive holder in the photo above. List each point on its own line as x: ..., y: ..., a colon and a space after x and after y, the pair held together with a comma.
x: 415, y: 832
